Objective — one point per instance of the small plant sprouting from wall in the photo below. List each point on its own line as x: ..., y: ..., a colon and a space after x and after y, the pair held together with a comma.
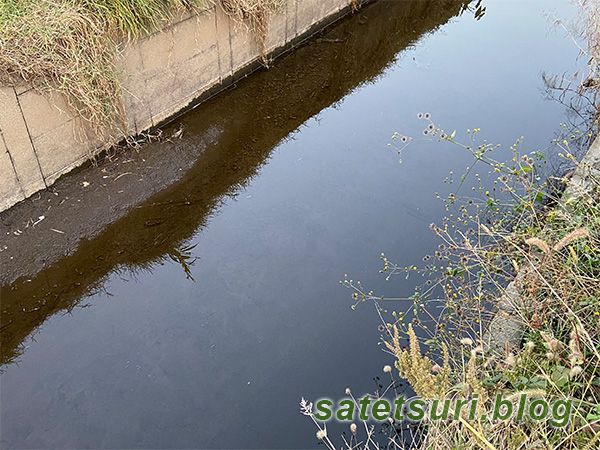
x: 254, y: 13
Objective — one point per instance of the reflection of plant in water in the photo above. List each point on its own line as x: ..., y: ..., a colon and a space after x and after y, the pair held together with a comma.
x: 184, y: 258
x: 581, y: 91
x: 476, y: 8
x: 393, y: 433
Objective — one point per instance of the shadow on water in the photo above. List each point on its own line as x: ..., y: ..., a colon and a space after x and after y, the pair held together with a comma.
x: 249, y: 122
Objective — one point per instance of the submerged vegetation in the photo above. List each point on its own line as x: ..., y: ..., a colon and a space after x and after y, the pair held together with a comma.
x: 72, y: 46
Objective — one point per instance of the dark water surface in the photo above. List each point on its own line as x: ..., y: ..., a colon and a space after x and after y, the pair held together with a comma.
x: 126, y: 344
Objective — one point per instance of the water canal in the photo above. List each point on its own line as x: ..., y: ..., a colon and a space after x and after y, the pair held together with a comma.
x: 200, y: 315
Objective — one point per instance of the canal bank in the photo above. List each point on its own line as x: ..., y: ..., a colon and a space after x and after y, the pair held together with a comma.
x: 504, y: 329
x: 161, y: 76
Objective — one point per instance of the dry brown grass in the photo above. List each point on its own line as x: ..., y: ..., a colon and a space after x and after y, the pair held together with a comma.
x: 589, y: 29
x: 71, y: 46
x: 255, y: 15
x: 585, y: 33
x: 65, y: 50
x: 549, y: 246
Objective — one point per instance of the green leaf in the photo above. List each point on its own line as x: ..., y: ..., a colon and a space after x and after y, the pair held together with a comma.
x: 560, y: 376
x: 594, y: 414
x: 491, y: 381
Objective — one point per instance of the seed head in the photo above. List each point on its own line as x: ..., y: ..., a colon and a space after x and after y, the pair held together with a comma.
x: 510, y: 360
x: 529, y: 346
x: 575, y: 371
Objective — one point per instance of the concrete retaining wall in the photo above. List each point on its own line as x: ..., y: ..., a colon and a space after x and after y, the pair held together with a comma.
x: 161, y: 75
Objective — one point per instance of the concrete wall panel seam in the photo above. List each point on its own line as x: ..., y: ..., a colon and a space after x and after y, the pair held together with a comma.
x: 30, y: 139
x: 218, y: 47
x: 230, y: 26
x: 12, y: 163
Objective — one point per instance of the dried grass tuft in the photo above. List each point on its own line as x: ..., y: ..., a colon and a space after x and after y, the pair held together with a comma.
x: 255, y: 15
x: 58, y: 45
x: 71, y: 46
